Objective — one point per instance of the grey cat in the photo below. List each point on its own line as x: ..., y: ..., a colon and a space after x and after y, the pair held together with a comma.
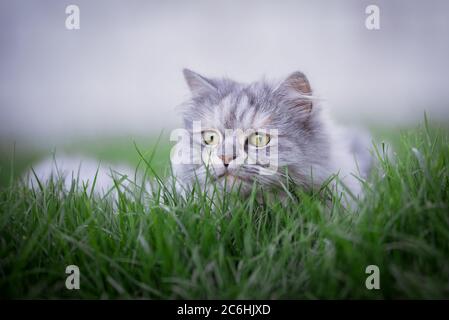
x: 237, y: 122
x: 237, y: 134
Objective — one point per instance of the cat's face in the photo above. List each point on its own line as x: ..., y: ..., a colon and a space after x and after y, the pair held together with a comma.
x: 243, y: 133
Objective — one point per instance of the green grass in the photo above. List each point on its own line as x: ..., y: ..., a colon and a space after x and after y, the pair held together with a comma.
x: 168, y: 247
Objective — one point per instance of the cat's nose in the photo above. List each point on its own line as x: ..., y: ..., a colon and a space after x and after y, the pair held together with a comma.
x: 227, y: 159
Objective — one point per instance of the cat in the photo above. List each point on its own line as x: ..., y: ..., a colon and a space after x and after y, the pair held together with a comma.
x: 237, y: 134
x: 237, y: 120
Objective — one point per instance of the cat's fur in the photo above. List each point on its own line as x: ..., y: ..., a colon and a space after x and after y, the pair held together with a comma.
x: 70, y: 168
x: 311, y: 148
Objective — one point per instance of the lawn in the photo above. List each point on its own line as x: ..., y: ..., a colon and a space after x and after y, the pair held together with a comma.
x: 226, y: 247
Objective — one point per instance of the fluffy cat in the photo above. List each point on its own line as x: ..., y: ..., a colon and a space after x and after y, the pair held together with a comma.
x: 307, y: 144
x: 236, y: 134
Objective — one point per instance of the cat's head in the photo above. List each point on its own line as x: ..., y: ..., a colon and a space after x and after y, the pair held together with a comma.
x: 246, y: 132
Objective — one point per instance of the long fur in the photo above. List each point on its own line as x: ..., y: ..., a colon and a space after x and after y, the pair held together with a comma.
x: 311, y: 147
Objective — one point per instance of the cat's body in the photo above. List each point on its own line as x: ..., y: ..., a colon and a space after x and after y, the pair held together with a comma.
x: 241, y: 133
x: 83, y: 170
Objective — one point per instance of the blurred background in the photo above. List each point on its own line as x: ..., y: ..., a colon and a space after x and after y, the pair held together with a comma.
x: 119, y: 75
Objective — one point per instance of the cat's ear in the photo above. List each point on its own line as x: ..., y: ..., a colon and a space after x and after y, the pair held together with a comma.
x: 298, y: 81
x: 296, y: 88
x: 198, y: 84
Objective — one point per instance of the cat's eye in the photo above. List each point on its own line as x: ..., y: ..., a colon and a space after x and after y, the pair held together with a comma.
x: 259, y: 139
x: 210, y: 137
